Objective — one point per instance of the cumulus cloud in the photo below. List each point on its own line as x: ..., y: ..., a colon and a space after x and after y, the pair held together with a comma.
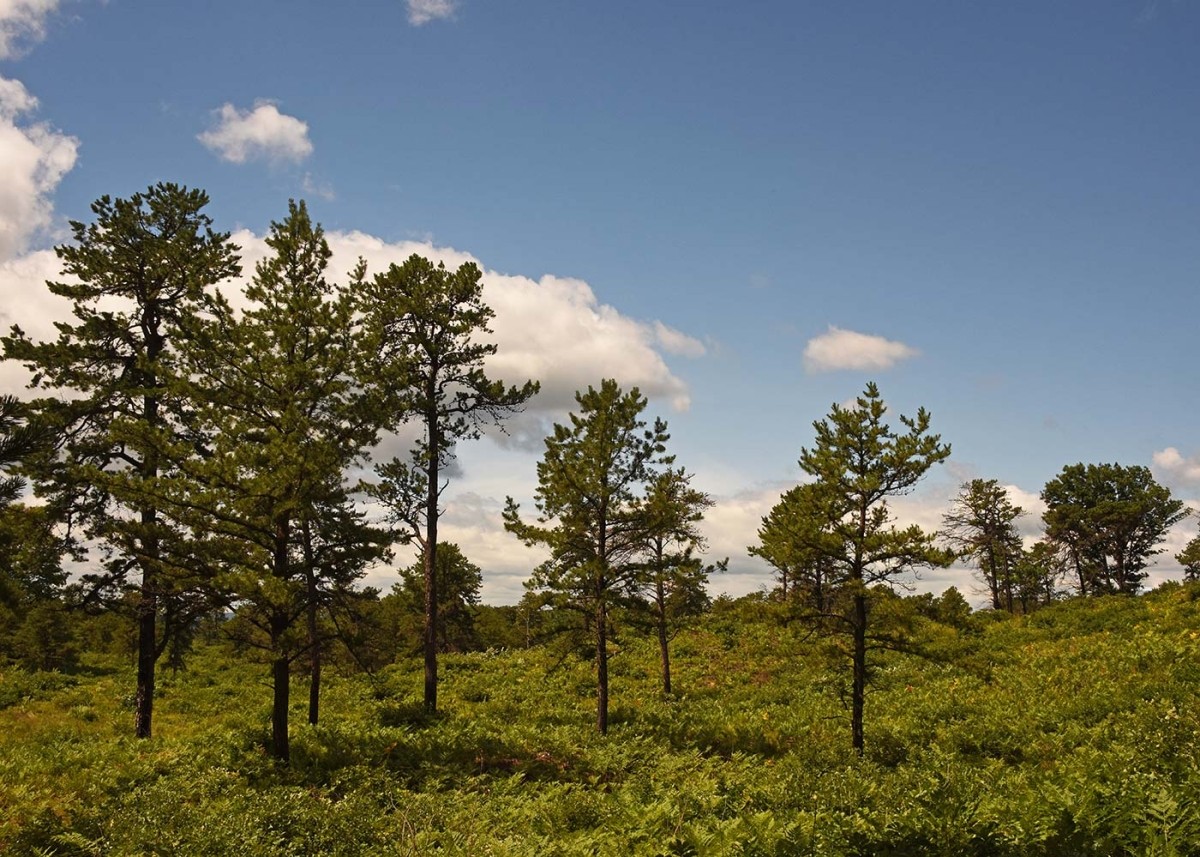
x: 730, y: 527
x: 421, y: 12
x: 34, y: 158
x: 677, y: 342
x: 847, y: 349
x: 553, y: 329
x: 1174, y: 467
x: 25, y: 300
x: 23, y: 22
x: 261, y: 133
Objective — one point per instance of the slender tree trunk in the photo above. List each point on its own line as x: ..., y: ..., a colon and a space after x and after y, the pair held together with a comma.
x: 858, y: 690
x: 280, y: 748
x: 431, y: 582
x: 148, y: 608
x: 314, y: 636
x: 147, y: 653
x: 280, y: 673
x: 601, y: 662
x: 993, y: 578
x: 664, y: 645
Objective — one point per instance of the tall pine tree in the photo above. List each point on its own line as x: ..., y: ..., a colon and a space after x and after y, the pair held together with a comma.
x: 134, y: 276
x: 425, y: 325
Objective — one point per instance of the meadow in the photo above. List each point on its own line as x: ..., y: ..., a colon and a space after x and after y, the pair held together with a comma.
x: 1071, y: 731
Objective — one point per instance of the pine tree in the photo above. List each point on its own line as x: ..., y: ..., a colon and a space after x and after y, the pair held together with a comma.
x: 282, y: 415
x: 424, y: 326
x: 674, y: 578
x: 136, y: 274
x: 858, y: 462
x: 590, y: 516
x: 981, y: 525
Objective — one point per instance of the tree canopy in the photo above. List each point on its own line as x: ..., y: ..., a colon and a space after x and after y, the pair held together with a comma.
x: 1111, y: 519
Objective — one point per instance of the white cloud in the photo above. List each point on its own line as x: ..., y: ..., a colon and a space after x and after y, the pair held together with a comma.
x: 421, y: 12
x: 731, y: 527
x: 677, y: 342
x: 1173, y: 467
x: 846, y: 349
x: 264, y: 132
x: 33, y: 160
x: 552, y: 329
x: 22, y: 21
x: 25, y: 300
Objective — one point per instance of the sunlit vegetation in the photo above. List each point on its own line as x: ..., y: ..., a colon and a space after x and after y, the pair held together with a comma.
x: 1071, y: 731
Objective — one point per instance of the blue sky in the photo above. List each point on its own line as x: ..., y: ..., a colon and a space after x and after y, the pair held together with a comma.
x: 1001, y: 200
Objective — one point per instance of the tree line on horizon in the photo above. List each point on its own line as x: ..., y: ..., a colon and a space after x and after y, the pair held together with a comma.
x: 205, y: 454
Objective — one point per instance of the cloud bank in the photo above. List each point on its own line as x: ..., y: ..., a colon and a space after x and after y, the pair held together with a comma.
x: 259, y: 134
x: 838, y: 349
x: 34, y: 158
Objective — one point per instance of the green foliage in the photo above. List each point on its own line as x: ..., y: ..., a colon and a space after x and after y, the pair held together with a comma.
x: 1110, y: 519
x: 459, y: 581
x: 1081, y: 740
x: 836, y: 533
x: 283, y: 415
x: 789, y: 541
x: 1189, y: 558
x: 19, y: 440
x: 138, y: 273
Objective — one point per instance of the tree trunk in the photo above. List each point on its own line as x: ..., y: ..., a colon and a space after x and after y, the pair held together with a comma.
x: 147, y: 655
x: 148, y: 608
x: 664, y: 646
x: 314, y: 675
x: 860, y: 672
x: 601, y: 664
x: 280, y: 676
x: 280, y: 748
x: 431, y: 582
x: 993, y: 578
x: 314, y: 637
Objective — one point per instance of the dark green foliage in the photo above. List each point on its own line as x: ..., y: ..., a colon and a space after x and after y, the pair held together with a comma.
x: 672, y: 586
x: 788, y: 539
x: 19, y: 440
x: 981, y: 527
x: 459, y: 581
x: 1111, y: 520
x: 1189, y: 558
x: 836, y: 533
x: 282, y: 414
x: 139, y: 271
